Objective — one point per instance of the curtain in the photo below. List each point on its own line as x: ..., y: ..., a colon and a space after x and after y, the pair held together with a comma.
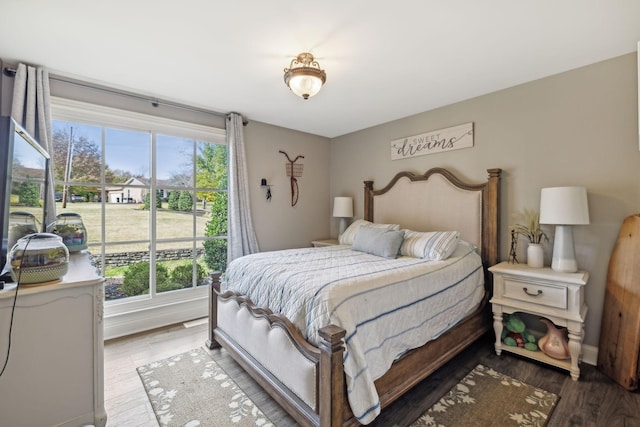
x: 241, y: 237
x: 32, y: 109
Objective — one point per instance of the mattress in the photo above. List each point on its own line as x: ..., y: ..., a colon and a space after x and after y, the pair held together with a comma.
x: 387, y: 306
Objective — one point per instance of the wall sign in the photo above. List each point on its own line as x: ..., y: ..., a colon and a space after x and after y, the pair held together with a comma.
x: 453, y: 138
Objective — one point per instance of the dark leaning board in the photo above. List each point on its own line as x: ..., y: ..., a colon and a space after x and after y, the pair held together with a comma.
x: 619, y: 350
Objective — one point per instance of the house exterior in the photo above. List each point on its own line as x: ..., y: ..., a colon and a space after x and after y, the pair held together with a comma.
x: 134, y: 190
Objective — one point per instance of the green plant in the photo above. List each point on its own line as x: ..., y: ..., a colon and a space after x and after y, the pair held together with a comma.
x: 136, y: 279
x: 529, y: 226
x: 29, y: 195
x: 185, y: 201
x: 147, y: 200
x: 183, y: 274
x: 215, y: 251
x: 174, y: 196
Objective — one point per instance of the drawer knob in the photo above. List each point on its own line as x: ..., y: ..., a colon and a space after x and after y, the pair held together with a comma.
x: 526, y: 291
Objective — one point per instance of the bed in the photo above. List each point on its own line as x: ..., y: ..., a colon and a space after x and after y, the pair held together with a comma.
x: 308, y: 366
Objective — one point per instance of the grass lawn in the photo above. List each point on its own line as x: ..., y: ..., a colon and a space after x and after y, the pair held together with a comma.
x: 129, y: 222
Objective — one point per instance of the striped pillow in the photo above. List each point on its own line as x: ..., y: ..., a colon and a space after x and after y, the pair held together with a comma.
x: 431, y: 245
x: 349, y: 234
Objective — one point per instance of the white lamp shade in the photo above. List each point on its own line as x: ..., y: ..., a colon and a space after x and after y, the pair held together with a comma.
x: 564, y: 206
x: 343, y: 207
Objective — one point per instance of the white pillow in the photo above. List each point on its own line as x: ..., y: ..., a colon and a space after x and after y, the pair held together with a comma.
x: 349, y: 234
x: 431, y: 245
x: 378, y: 241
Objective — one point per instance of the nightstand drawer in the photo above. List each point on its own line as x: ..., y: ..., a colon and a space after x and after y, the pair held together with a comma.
x: 536, y: 293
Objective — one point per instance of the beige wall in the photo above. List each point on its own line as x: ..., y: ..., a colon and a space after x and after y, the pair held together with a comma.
x: 279, y: 225
x: 574, y: 128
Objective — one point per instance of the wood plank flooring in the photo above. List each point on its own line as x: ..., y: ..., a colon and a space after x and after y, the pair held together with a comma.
x: 594, y: 400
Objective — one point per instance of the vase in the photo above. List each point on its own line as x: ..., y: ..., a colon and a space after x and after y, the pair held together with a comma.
x: 554, y: 344
x: 535, y: 255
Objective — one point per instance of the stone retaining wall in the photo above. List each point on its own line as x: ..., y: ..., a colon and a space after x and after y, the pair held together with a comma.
x: 128, y: 258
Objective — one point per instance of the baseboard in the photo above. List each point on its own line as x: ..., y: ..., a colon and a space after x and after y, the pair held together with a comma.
x: 590, y: 354
x: 139, y: 320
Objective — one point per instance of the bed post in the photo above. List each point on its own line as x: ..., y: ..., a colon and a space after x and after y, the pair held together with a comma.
x: 492, y: 217
x: 491, y: 225
x: 368, y: 200
x: 214, y: 288
x: 331, y: 388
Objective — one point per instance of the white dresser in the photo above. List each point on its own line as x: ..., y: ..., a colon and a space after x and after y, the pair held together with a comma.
x: 55, y: 374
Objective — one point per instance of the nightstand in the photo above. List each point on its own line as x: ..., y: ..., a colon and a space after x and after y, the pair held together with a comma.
x: 543, y: 292
x: 327, y: 242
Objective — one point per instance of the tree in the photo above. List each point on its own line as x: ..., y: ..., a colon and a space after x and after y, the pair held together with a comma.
x: 147, y: 200
x: 174, y: 197
x: 212, y: 172
x: 185, y: 201
x: 211, y: 169
x: 215, y: 251
x: 86, y: 160
x: 29, y: 194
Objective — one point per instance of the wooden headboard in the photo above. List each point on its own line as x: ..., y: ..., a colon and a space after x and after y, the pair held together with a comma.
x: 439, y: 201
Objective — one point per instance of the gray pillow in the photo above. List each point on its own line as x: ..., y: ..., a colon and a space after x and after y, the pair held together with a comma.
x: 378, y: 241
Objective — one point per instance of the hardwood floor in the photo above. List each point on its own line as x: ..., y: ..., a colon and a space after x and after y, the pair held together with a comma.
x: 594, y: 400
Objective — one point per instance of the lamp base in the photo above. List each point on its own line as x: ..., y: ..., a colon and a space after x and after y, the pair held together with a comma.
x: 564, y: 257
x: 342, y: 226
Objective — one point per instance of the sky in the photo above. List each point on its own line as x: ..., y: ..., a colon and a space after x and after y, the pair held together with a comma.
x: 130, y: 150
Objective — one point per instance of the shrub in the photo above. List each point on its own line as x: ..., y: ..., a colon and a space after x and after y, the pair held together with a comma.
x: 147, y: 200
x: 29, y: 195
x: 136, y: 279
x: 215, y: 251
x: 183, y: 274
x: 174, y: 196
x: 185, y: 202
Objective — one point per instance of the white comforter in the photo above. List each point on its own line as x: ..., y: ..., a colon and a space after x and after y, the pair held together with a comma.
x: 387, y: 306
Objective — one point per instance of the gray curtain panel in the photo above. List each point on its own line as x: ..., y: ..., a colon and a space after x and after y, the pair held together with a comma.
x: 32, y: 109
x: 241, y: 237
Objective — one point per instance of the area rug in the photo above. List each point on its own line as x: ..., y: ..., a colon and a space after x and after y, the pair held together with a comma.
x: 486, y: 397
x: 191, y: 389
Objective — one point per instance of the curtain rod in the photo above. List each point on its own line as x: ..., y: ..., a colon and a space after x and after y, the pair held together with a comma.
x: 11, y: 72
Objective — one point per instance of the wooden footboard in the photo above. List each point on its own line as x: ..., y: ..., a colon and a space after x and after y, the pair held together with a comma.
x: 329, y: 406
x: 307, y: 381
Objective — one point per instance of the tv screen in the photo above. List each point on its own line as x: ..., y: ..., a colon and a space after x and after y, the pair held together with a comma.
x: 23, y: 186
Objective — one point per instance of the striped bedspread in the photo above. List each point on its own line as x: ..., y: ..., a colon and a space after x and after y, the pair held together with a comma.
x: 387, y: 306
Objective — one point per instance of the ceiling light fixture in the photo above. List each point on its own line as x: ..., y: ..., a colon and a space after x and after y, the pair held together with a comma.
x: 304, y: 76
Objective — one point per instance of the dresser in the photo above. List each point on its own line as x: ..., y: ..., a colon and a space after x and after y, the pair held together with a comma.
x: 55, y: 373
x: 541, y: 292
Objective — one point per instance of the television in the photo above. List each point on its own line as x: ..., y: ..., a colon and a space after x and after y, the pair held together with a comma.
x: 23, y: 187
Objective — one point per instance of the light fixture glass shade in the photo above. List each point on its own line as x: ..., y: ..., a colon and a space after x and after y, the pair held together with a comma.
x: 304, y: 76
x: 564, y: 207
x: 343, y: 207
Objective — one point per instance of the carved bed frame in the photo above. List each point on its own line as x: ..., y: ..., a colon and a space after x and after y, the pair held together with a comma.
x: 308, y: 381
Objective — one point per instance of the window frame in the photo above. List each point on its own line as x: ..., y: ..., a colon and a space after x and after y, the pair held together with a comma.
x: 121, y: 312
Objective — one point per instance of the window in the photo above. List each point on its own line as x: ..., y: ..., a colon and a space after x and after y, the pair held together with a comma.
x: 152, y: 196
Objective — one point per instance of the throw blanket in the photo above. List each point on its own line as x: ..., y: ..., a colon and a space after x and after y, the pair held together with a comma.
x: 387, y: 306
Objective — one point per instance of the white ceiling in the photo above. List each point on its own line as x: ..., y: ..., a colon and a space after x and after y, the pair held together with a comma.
x: 384, y: 60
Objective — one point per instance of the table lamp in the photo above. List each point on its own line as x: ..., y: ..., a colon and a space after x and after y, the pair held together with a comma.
x: 564, y: 207
x: 343, y: 209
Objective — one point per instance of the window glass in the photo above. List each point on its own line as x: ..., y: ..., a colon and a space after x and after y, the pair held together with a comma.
x: 127, y: 155
x: 144, y: 196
